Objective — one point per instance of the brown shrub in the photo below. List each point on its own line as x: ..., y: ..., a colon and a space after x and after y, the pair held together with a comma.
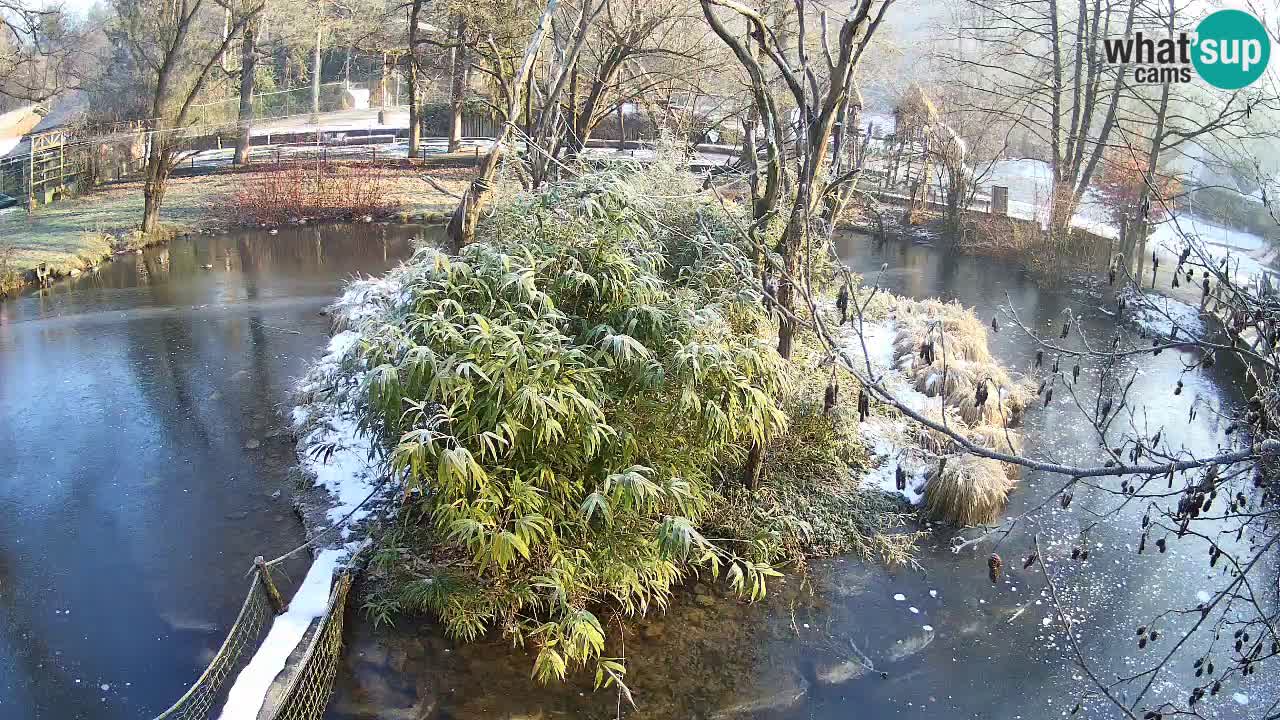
x: 312, y: 191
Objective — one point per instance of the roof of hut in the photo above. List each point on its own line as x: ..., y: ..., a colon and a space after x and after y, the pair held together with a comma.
x: 914, y: 111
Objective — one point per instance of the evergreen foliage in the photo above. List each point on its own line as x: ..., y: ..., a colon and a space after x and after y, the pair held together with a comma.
x: 564, y: 393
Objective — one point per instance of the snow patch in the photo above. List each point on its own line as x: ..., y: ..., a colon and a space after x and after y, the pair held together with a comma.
x: 312, y: 599
x: 1240, y: 698
x: 333, y: 450
x: 886, y: 435
x: 1163, y: 315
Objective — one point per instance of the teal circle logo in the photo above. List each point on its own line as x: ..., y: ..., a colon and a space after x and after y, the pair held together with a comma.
x: 1231, y: 49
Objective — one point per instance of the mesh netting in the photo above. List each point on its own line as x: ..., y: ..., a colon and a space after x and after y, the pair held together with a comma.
x: 242, y: 641
x: 308, y: 691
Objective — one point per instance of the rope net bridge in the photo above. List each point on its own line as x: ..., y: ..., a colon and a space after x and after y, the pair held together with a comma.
x: 306, y: 692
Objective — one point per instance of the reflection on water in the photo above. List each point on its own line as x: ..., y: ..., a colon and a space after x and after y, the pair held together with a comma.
x: 838, y: 644
x: 143, y: 462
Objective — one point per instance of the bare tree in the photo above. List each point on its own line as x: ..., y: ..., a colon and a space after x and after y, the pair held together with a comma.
x: 1039, y: 64
x: 462, y: 224
x: 179, y: 44
x: 38, y: 50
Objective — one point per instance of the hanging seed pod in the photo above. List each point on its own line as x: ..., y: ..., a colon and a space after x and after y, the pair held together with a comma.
x: 1111, y: 276
x: 1075, y: 372
x: 829, y: 398
x: 1048, y: 397
x: 900, y: 478
x: 1142, y: 544
x: 1177, y: 389
x: 1175, y: 279
x: 1146, y: 520
x: 1056, y: 365
x: 1155, y: 439
x: 1065, y: 500
x: 980, y: 394
x: 1209, y: 360
x: 1066, y: 328
x: 1155, y: 635
x: 1043, y: 384
x: 842, y: 303
x: 1031, y: 560
x: 1142, y: 643
x: 995, y: 324
x: 1186, y: 253
x: 1075, y: 553
x: 1105, y: 411
x: 995, y: 566
x: 1161, y: 545
x: 1084, y: 554
x: 1039, y: 358
x: 1204, y: 287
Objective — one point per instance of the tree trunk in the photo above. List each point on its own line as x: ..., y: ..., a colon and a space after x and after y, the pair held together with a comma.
x: 462, y: 225
x: 248, y: 62
x: 316, y: 67
x: 790, y: 244
x: 153, y: 189
x: 415, y: 123
x: 458, y: 86
x: 751, y: 470
x: 622, y: 127
x: 384, y: 74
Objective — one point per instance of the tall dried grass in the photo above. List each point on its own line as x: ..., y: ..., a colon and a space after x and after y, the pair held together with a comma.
x: 968, y: 490
x: 313, y: 191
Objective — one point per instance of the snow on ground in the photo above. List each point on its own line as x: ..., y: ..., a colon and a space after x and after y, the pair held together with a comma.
x: 8, y: 143
x: 1163, y: 315
x: 310, y: 602
x: 333, y: 449
x: 340, y: 458
x: 1030, y: 181
x: 1246, y: 254
x: 886, y: 435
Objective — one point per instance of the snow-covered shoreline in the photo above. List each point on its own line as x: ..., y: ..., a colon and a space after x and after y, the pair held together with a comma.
x: 886, y: 436
x: 340, y: 459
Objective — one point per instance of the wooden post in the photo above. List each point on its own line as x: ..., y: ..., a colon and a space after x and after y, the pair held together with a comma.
x: 31, y: 186
x: 273, y: 594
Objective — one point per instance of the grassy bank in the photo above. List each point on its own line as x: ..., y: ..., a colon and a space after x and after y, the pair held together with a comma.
x: 80, y: 232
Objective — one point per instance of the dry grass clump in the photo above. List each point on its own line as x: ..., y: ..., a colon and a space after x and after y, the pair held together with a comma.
x: 968, y: 490
x: 932, y: 441
x: 964, y: 335
x: 942, y: 348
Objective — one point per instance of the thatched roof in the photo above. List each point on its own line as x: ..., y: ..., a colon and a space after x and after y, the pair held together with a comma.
x: 915, y: 111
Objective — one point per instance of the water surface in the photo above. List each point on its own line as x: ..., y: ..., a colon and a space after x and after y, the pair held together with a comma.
x: 143, y: 459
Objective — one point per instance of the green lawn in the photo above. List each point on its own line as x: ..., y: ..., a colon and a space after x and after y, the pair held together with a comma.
x: 78, y: 232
